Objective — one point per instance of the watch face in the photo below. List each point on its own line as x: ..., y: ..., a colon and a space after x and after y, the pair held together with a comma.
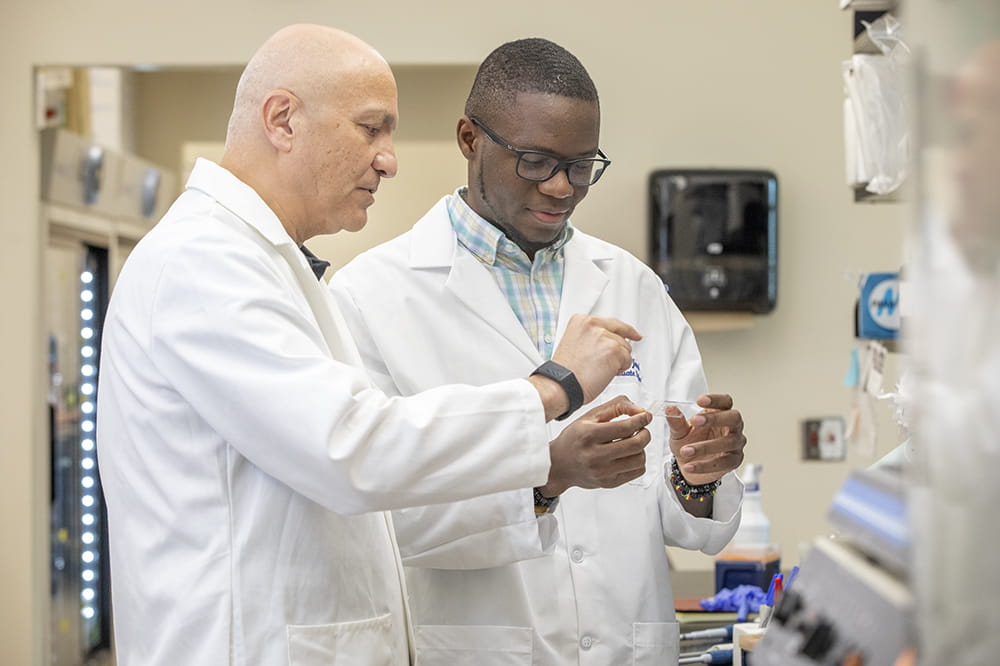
x: 543, y: 502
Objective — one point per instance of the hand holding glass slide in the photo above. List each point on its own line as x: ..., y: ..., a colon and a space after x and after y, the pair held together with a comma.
x: 706, y: 436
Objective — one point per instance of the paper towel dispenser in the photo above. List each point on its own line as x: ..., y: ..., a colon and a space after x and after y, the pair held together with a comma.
x: 713, y: 237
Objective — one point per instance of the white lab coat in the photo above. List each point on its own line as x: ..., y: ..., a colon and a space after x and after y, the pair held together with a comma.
x: 240, y: 445
x: 486, y: 584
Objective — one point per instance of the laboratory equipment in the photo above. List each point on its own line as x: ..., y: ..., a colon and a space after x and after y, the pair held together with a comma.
x: 851, y: 602
x: 720, y: 657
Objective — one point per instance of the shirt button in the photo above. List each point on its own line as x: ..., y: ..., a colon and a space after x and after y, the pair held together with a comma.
x: 548, y: 338
x: 586, y: 642
x: 577, y: 555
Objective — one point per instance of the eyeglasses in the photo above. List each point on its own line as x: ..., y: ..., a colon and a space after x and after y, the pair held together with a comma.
x: 537, y: 166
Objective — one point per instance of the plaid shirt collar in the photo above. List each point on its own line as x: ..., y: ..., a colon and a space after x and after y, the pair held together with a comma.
x: 489, y: 244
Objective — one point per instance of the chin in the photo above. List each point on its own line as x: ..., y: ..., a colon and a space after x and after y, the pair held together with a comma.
x: 549, y: 234
x: 355, y: 225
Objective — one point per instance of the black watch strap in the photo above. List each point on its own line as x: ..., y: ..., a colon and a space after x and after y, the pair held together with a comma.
x: 567, y: 380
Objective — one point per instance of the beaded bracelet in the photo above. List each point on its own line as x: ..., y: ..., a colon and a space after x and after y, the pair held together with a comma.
x: 688, y: 491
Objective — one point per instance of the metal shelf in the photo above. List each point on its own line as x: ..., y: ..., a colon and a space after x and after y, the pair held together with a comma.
x: 869, y: 5
x: 861, y: 195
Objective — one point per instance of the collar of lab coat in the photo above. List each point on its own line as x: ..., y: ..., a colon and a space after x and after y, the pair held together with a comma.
x: 238, y: 198
x: 242, y: 201
x: 435, y: 245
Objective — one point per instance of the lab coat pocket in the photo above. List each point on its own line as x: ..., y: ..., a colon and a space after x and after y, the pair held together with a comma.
x: 655, y: 643
x: 366, y: 642
x: 479, y: 645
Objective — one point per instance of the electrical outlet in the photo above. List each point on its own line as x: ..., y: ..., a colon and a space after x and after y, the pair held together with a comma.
x: 823, y: 438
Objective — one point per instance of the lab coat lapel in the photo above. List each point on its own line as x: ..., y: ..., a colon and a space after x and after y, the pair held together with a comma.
x: 331, y: 322
x: 584, y: 279
x: 436, y: 246
x: 472, y: 283
x: 247, y: 206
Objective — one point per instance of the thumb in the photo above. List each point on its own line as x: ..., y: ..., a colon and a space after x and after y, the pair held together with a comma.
x: 677, y: 422
x: 612, y: 409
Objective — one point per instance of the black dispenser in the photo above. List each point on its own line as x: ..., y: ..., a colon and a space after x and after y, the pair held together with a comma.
x: 714, y: 237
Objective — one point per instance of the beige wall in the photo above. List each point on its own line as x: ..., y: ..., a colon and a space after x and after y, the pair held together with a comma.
x: 727, y: 83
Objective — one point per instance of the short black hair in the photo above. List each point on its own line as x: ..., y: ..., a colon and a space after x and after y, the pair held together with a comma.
x: 532, y: 65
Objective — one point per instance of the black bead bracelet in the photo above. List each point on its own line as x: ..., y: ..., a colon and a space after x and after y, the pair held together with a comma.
x: 688, y: 491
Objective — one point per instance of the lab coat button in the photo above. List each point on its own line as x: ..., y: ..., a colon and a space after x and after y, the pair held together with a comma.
x: 577, y: 555
x: 586, y: 642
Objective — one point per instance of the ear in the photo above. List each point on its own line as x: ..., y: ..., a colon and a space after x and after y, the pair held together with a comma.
x: 466, y: 135
x: 277, y: 111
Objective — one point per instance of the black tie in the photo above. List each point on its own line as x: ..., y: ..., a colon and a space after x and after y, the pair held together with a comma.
x: 317, y: 265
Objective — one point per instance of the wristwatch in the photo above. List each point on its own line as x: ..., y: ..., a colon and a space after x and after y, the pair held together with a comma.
x: 544, y: 504
x: 567, y: 380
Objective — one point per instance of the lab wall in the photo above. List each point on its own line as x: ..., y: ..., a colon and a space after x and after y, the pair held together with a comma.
x: 721, y: 84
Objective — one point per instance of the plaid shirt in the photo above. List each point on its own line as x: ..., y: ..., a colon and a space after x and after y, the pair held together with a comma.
x: 533, y: 288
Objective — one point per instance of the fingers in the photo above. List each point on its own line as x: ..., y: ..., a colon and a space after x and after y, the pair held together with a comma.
x: 595, y: 349
x: 612, y: 409
x: 609, y: 464
x: 716, y: 466
x: 712, y: 456
x: 731, y: 441
x: 614, y: 332
x: 603, y: 448
x: 715, y: 401
x: 616, y: 419
x: 613, y: 455
x: 634, y: 467
x: 623, y: 470
x: 677, y: 422
x: 730, y: 419
x: 622, y: 429
x: 618, y: 327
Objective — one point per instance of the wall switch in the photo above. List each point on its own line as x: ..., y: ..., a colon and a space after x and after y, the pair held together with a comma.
x: 823, y: 438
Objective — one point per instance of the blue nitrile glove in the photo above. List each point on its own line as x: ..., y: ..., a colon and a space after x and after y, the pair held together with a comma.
x: 743, y: 599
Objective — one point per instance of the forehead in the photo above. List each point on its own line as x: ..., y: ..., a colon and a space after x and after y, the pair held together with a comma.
x: 552, y: 123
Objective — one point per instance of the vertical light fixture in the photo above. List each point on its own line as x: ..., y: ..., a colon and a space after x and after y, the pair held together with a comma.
x: 90, y: 497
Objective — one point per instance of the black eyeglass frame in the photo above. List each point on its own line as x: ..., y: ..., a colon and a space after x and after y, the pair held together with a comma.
x: 561, y: 165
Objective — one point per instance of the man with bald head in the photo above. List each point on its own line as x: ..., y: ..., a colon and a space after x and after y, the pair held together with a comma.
x: 246, y: 459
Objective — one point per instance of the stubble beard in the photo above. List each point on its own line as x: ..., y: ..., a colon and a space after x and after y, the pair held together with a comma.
x: 530, y: 247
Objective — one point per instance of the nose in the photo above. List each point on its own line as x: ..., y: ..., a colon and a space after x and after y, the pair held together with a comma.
x: 385, y: 162
x: 558, y: 186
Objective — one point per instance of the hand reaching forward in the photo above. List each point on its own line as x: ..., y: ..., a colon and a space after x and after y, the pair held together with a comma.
x: 595, y: 349
x: 711, y: 443
x: 597, y: 451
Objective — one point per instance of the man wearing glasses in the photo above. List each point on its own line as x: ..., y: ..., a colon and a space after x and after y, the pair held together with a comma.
x: 480, y: 289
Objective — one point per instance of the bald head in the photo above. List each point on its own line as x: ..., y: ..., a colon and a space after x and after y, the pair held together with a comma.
x: 308, y: 60
x: 311, y: 128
